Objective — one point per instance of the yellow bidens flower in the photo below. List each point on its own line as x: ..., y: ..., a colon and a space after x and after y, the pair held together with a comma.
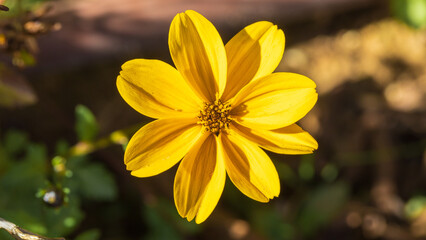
x: 213, y: 112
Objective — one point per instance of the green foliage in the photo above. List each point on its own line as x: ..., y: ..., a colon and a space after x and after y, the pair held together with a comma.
x: 286, y: 173
x: 412, y: 12
x: 20, y: 180
x: 271, y: 223
x: 164, y: 223
x: 62, y: 147
x: 321, y: 205
x: 159, y: 228
x: 15, y: 141
x: 5, y: 236
x: 91, y: 180
x: 24, y: 174
x: 19, y: 6
x: 306, y: 168
x: 415, y: 206
x: 329, y: 172
x: 92, y: 234
x: 86, y: 125
x: 26, y: 58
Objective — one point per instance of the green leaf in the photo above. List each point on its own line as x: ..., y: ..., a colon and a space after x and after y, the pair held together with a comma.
x: 286, y: 173
x: 95, y: 182
x: 86, y: 125
x: 306, y: 168
x: 17, y: 7
x: 24, y: 58
x: 63, y: 220
x: 15, y: 141
x: 20, y: 183
x: 4, y: 161
x: 5, y: 236
x: 270, y: 222
x: 92, y: 234
x: 158, y: 226
x: 329, y: 172
x: 412, y: 12
x: 415, y: 206
x: 22, y: 178
x: 27, y: 173
x: 321, y: 206
x: 62, y: 147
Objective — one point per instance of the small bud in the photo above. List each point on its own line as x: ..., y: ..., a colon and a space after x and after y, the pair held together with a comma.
x: 53, y: 197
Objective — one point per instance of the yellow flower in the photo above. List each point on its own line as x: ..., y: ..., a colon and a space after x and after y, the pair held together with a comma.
x: 213, y: 112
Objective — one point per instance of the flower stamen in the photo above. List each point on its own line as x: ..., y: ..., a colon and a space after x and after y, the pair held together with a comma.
x: 215, y: 116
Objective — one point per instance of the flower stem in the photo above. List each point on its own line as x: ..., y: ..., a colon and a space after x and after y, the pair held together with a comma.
x: 117, y: 137
x: 22, y: 234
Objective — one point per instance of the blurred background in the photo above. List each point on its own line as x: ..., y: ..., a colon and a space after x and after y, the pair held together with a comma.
x: 63, y: 125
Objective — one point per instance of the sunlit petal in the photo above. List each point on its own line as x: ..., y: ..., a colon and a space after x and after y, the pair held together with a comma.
x: 253, y: 53
x: 249, y: 168
x: 200, y: 179
x: 159, y: 145
x: 287, y: 140
x: 156, y: 89
x: 275, y: 101
x: 198, y: 53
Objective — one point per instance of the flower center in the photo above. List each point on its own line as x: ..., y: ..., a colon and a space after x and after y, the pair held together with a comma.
x: 215, y: 116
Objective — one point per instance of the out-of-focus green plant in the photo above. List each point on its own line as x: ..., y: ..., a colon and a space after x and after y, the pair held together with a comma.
x: 415, y: 206
x: 163, y: 222
x: 313, y: 199
x: 91, y: 234
x: 46, y: 198
x: 412, y: 12
x: 23, y: 171
x: 86, y: 126
x: 17, y: 7
x: 321, y: 205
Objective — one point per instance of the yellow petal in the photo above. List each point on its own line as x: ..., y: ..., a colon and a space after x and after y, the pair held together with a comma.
x: 253, y: 53
x: 200, y: 179
x: 249, y: 168
x: 159, y: 145
x: 287, y: 140
x: 275, y: 101
x: 198, y: 53
x: 156, y: 89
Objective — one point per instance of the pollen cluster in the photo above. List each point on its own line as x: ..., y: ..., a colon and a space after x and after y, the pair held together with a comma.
x: 215, y: 116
